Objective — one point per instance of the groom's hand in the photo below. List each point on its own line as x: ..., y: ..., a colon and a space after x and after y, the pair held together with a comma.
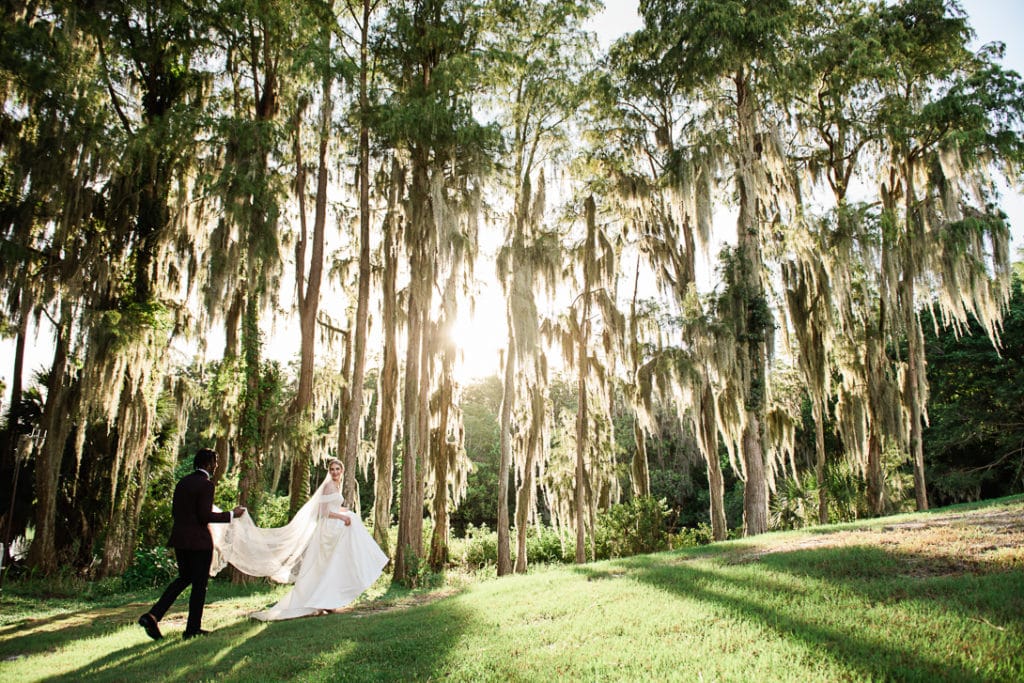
x: 238, y: 511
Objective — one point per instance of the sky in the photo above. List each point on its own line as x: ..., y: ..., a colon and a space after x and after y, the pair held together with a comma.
x: 992, y: 20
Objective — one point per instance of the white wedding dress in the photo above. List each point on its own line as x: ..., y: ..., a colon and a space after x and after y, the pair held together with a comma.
x: 330, y: 563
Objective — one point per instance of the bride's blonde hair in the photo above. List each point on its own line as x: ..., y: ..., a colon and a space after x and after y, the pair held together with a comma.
x: 335, y: 460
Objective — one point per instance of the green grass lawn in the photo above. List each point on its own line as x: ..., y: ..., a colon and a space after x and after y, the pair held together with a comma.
x: 926, y: 597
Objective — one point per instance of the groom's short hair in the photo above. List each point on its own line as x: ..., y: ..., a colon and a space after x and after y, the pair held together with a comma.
x: 204, y: 459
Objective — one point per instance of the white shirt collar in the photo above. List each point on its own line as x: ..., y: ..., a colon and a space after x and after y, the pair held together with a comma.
x: 200, y: 469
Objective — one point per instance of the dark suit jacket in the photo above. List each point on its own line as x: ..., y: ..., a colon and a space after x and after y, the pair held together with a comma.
x: 192, y: 510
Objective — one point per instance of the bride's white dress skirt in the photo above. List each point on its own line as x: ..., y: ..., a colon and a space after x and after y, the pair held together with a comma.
x: 340, y: 563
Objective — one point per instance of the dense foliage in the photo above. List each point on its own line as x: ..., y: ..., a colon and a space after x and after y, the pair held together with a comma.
x: 974, y: 444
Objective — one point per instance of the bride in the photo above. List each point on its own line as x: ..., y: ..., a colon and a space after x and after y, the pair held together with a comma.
x: 324, y: 550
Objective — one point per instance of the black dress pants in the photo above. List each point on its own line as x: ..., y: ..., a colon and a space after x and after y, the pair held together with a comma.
x: 193, y: 570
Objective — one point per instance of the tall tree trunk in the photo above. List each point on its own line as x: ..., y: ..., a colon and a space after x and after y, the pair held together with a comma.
x: 351, y: 491
x: 345, y: 408
x: 583, y: 368
x: 505, y: 457
x: 819, y: 462
x: 875, y: 478
x: 410, y: 522
x: 223, y: 445
x: 755, y: 490
x: 410, y: 517
x: 443, y: 451
x: 423, y: 464
x: 442, y: 457
x: 526, y: 501
x: 752, y: 326
x: 226, y: 417
x: 521, y: 316
x: 309, y: 290
x: 250, y: 447
x: 914, y: 381
x: 56, y: 421
x: 581, y: 467
x: 384, y: 456
x: 247, y: 303
x: 912, y: 389
x: 716, y: 482
x: 17, y: 374
x: 915, y: 401
x: 639, y: 473
x: 9, y: 443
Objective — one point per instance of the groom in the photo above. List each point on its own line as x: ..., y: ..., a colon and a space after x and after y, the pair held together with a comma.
x: 192, y: 510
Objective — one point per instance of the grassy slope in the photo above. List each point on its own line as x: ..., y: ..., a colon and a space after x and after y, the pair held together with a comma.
x: 928, y: 597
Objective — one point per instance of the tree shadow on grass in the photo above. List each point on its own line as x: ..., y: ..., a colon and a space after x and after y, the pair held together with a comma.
x: 974, y: 589
x: 30, y: 636
x: 863, y: 577
x: 365, y: 645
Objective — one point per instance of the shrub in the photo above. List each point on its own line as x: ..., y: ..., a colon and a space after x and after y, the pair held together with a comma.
x: 632, y: 528
x: 419, y: 573
x: 481, y: 547
x: 689, y: 537
x: 795, y: 503
x: 273, y: 512
x: 544, y: 545
x: 151, y: 567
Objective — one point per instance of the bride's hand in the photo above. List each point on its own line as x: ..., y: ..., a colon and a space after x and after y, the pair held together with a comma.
x: 344, y: 518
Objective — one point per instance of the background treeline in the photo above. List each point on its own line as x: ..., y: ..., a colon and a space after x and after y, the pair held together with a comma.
x: 753, y: 268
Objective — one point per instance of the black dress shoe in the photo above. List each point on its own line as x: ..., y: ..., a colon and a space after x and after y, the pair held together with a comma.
x: 186, y: 635
x: 148, y: 622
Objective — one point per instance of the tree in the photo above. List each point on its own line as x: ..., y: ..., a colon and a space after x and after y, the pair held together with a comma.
x: 665, y: 198
x: 947, y: 118
x: 430, y: 48
x: 540, y: 50
x: 831, y: 299
x: 308, y: 284
x: 388, y: 382
x: 149, y: 63
x: 245, y: 248
x: 728, y: 52
x: 590, y: 337
x: 355, y: 406
x: 53, y: 151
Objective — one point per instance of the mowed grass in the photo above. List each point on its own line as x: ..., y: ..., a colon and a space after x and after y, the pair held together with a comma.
x: 925, y: 597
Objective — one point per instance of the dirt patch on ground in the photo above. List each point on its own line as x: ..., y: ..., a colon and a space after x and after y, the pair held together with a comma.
x: 978, y: 542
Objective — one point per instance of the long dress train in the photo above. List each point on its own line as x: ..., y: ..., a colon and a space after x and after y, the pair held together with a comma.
x: 330, y: 563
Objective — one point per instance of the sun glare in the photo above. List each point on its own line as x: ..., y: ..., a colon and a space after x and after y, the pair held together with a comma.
x: 480, y: 337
